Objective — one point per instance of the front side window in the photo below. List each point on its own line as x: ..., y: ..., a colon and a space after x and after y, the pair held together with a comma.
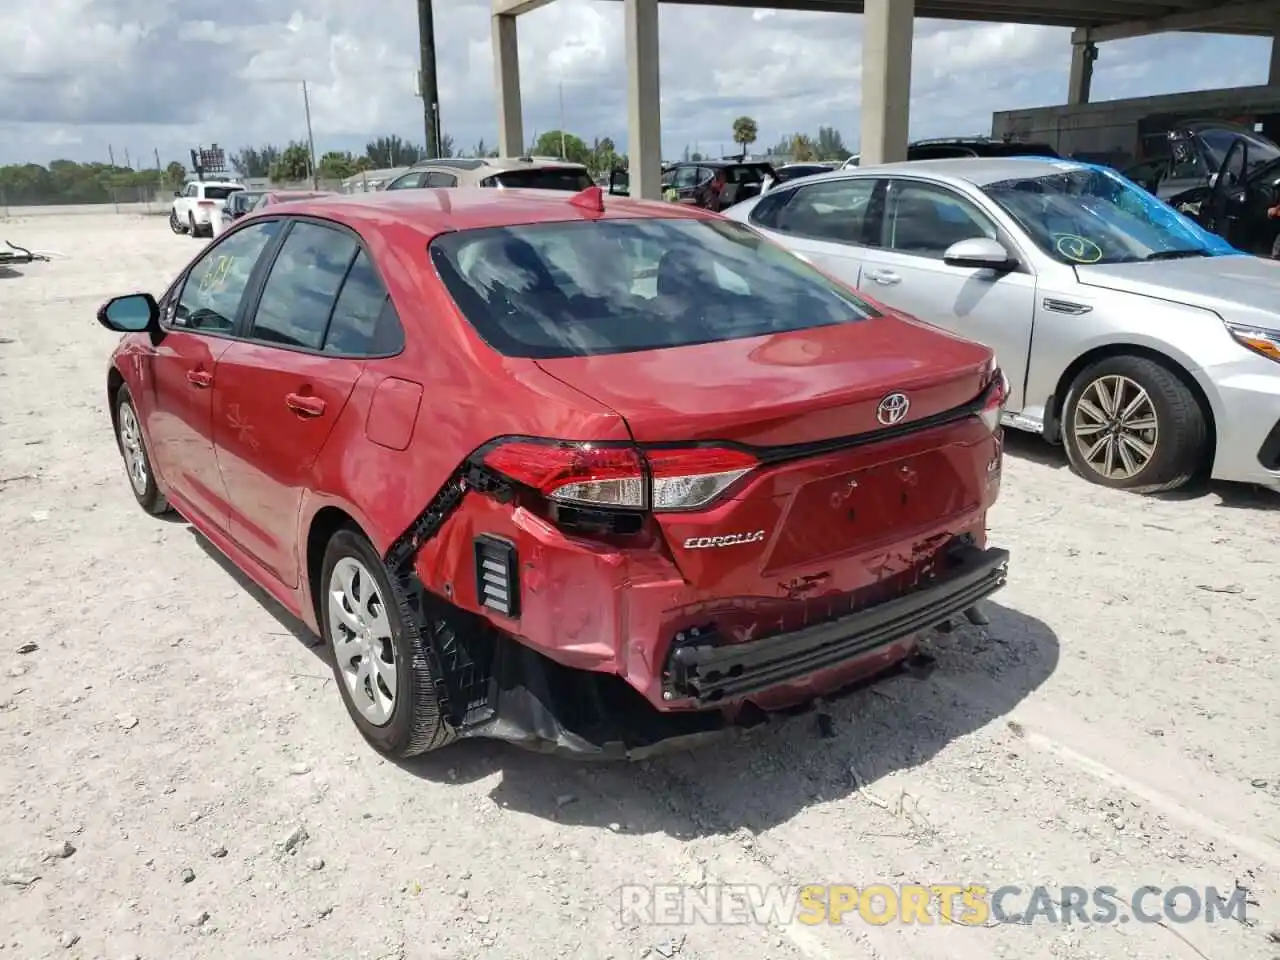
x: 303, y: 284
x: 408, y: 182
x: 614, y: 286
x: 1086, y: 215
x: 210, y: 297
x: 925, y: 219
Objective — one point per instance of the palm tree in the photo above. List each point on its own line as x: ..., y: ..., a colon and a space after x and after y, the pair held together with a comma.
x: 745, y: 133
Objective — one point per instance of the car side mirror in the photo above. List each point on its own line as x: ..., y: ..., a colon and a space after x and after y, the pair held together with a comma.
x: 979, y: 252
x: 132, y: 313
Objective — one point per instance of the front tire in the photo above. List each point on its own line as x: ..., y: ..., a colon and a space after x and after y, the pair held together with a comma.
x: 1131, y: 424
x: 381, y: 671
x: 137, y: 462
x: 175, y: 224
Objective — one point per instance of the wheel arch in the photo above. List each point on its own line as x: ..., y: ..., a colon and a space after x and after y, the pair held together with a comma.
x: 115, y: 380
x: 326, y: 521
x: 1104, y: 351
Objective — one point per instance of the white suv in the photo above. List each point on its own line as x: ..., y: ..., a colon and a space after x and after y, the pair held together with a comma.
x: 193, y: 206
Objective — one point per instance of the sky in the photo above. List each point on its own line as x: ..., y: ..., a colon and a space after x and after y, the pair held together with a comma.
x: 78, y: 77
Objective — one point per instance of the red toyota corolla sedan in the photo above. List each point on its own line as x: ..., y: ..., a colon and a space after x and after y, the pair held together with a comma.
x: 591, y: 478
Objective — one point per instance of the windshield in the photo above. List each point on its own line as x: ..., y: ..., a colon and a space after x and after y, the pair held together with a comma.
x: 1085, y: 214
x: 613, y: 286
x: 543, y: 178
x: 1217, y: 142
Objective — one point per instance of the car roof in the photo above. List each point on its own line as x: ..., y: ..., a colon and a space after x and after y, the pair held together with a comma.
x: 978, y: 171
x: 432, y: 211
x: 492, y: 165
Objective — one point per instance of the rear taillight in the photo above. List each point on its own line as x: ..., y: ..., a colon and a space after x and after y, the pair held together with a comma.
x: 621, y: 477
x: 993, y: 402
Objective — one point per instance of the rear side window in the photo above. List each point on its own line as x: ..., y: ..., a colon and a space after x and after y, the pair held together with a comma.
x: 364, y: 320
x: 544, y: 178
x: 832, y: 210
x: 614, y: 286
x: 303, y: 284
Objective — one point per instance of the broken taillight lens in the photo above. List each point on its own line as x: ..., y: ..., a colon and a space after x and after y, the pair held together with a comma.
x: 993, y: 403
x: 623, y: 477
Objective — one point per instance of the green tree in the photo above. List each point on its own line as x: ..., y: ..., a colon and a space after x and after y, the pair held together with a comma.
x: 392, y: 151
x: 549, y: 145
x: 745, y: 132
x: 294, y: 164
x: 255, y: 161
x: 66, y: 181
x: 830, y: 145
x: 802, y: 149
x: 175, y: 173
x: 337, y: 165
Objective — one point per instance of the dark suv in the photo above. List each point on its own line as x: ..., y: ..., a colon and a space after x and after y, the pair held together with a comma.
x: 1185, y: 158
x: 946, y: 148
x: 710, y: 184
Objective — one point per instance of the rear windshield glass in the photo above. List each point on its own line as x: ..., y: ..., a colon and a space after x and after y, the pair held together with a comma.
x: 614, y: 286
x: 542, y: 179
x: 220, y: 193
x: 1019, y: 150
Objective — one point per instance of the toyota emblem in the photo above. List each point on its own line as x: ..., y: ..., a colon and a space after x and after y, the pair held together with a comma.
x: 893, y: 408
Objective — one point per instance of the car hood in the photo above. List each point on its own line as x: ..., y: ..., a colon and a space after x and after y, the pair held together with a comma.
x: 1234, y: 287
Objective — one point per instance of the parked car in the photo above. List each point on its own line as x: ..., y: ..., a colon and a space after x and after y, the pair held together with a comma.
x: 714, y: 184
x: 1145, y: 344
x: 541, y: 173
x: 272, y: 197
x: 598, y: 479
x: 192, y: 209
x: 1187, y: 157
x: 241, y: 202
x: 946, y: 148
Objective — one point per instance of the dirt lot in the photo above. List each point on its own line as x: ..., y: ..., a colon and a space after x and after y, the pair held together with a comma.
x: 164, y: 736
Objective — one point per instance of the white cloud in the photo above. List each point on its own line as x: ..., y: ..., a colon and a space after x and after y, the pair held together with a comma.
x: 76, y: 75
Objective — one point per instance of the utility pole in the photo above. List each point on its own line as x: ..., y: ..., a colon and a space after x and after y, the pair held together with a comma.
x: 311, y: 140
x: 428, y: 85
x: 563, y: 153
x: 111, y: 155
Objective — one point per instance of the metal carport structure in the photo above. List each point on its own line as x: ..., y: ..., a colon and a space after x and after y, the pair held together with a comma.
x: 886, y: 56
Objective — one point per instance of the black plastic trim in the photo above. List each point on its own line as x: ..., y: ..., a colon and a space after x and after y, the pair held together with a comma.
x: 1269, y: 452
x: 710, y: 671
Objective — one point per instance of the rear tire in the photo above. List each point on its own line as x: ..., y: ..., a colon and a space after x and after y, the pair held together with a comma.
x: 137, y: 462
x: 382, y: 673
x: 191, y: 226
x: 1131, y: 424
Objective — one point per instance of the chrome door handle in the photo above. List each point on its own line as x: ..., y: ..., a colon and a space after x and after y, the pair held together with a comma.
x: 885, y: 278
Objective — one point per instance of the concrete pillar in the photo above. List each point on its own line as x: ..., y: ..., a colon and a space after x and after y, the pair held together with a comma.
x: 1082, y: 57
x: 644, y: 113
x: 887, y: 27
x: 1273, y: 75
x: 506, y: 76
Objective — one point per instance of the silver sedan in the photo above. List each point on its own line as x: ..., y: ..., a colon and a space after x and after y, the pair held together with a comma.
x: 1145, y: 345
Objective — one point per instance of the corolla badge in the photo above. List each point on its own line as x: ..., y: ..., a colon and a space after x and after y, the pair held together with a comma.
x: 728, y: 540
x: 893, y: 408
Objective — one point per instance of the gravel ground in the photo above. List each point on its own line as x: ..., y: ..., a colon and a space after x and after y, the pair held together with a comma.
x: 179, y: 777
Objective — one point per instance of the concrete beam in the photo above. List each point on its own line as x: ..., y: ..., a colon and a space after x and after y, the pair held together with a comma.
x: 644, y: 112
x: 1082, y: 57
x: 506, y: 84
x: 1208, y: 20
x: 513, y: 8
x: 887, y: 29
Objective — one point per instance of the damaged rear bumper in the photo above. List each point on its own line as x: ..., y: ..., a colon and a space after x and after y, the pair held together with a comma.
x: 709, y: 669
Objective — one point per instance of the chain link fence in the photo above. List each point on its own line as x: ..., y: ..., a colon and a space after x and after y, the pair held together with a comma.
x: 154, y: 199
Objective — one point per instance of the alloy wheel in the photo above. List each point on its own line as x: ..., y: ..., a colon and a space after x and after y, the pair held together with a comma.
x: 1115, y: 427
x: 360, y: 635
x: 135, y: 456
